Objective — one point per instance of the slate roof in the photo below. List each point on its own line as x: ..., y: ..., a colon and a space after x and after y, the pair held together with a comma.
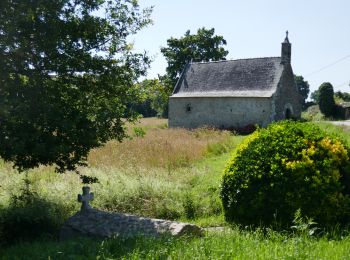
x: 256, y: 77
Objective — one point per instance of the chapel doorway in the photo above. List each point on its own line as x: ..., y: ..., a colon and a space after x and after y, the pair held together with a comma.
x: 288, y: 113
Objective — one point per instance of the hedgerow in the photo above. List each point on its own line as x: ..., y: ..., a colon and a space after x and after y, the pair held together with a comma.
x: 286, y: 167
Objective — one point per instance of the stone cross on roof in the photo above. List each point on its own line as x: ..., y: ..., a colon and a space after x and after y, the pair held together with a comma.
x: 85, y: 198
x: 286, y: 40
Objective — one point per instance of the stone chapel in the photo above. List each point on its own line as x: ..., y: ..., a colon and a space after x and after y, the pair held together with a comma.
x: 236, y: 93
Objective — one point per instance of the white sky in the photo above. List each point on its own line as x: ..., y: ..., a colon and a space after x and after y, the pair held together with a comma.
x: 319, y: 31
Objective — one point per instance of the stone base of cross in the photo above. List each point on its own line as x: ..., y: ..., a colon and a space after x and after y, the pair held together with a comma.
x: 101, y: 224
x: 85, y: 198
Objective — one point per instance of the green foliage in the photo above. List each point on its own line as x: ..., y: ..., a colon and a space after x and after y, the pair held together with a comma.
x: 202, y: 46
x: 289, y: 165
x: 326, y: 99
x: 315, y: 96
x: 303, y: 226
x: 139, y: 132
x: 217, y: 149
x: 189, y: 206
x: 153, y: 101
x: 338, y: 111
x: 342, y: 96
x: 303, y: 88
x: 29, y: 217
x: 66, y: 78
x: 143, y: 107
x: 313, y: 113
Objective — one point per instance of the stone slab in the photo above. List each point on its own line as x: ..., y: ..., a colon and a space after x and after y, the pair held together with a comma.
x: 102, y: 224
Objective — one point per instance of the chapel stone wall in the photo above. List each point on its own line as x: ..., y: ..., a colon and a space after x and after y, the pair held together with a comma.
x: 220, y: 112
x: 286, y: 97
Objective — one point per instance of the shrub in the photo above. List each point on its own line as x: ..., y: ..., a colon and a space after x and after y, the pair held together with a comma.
x: 326, y: 99
x: 286, y: 167
x: 139, y: 132
x: 189, y: 206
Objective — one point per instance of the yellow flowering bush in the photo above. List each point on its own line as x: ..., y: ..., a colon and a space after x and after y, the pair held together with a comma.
x: 286, y: 167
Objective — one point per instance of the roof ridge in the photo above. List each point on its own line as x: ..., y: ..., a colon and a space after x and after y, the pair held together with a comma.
x: 218, y: 61
x: 235, y: 75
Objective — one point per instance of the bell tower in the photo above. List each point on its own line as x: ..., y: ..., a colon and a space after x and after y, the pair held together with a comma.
x: 286, y: 50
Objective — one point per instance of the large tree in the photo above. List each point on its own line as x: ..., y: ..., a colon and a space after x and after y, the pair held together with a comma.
x: 303, y: 88
x: 326, y: 99
x: 202, y: 46
x: 66, y: 77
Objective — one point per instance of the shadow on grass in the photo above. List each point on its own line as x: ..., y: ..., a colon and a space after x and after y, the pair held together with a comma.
x: 85, y: 248
x: 29, y: 217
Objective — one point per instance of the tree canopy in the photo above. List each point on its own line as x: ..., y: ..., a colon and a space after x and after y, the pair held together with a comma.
x: 67, y: 74
x: 342, y: 96
x: 303, y: 87
x: 202, y: 46
x: 152, y: 97
x: 326, y: 99
x: 315, y: 96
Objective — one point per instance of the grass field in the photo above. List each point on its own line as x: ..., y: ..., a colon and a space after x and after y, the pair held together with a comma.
x: 157, y: 172
x: 231, y: 244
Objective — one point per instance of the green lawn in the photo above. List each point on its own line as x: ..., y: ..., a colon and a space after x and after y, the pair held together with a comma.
x: 231, y: 244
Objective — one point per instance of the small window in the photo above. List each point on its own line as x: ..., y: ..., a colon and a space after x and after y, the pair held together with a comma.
x: 188, y: 108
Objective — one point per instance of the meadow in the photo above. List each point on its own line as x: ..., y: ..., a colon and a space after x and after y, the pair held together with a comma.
x: 156, y: 172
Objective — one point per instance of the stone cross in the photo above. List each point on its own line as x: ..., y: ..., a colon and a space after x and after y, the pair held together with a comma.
x: 85, y: 198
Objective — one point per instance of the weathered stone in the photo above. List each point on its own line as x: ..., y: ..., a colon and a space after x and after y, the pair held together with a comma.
x: 236, y: 93
x: 85, y: 198
x: 101, y: 224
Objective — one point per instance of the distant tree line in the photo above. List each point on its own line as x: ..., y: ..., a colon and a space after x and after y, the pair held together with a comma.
x: 201, y: 46
x: 329, y: 101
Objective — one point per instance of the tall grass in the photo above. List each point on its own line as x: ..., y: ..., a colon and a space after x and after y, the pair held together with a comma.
x: 149, y: 192
x: 162, y: 148
x: 149, y: 123
x: 165, y: 173
x: 341, y: 130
